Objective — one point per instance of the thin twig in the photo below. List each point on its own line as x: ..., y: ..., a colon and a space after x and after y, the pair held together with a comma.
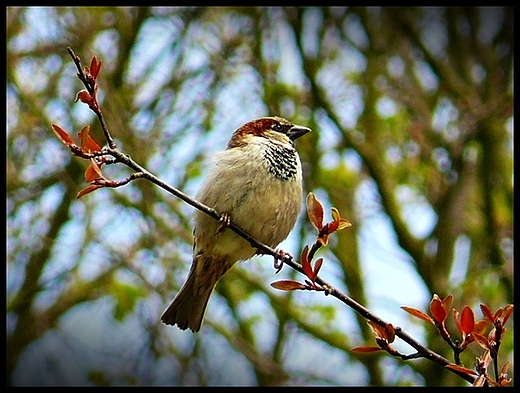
x: 262, y: 248
x: 92, y: 90
x: 421, y: 350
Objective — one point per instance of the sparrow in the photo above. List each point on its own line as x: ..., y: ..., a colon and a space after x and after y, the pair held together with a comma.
x: 257, y: 184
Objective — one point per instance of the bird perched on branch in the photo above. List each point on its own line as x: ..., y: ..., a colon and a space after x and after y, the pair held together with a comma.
x: 257, y: 184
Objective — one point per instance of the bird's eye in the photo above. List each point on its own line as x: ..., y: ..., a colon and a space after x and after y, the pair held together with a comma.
x: 277, y: 127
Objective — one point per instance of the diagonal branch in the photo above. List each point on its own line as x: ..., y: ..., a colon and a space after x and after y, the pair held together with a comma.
x: 283, y: 257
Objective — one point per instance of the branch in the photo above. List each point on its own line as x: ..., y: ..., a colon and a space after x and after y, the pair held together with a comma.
x: 110, y: 154
x: 422, y: 351
x: 88, y: 78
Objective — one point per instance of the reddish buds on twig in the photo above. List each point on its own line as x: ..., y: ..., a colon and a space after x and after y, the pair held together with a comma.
x: 95, y: 67
x: 88, y: 146
x: 471, y: 330
x: 384, y: 335
x: 88, y: 76
x: 439, y: 311
x: 315, y: 213
x: 308, y: 270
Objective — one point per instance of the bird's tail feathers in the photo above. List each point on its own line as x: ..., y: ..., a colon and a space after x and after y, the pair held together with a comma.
x: 187, y: 309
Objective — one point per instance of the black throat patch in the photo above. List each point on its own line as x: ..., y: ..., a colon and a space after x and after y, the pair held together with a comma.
x: 282, y: 161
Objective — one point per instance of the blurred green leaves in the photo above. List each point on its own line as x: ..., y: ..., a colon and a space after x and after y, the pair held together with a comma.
x: 126, y: 297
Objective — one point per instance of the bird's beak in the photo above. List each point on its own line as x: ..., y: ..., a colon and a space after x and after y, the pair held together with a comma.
x: 297, y: 131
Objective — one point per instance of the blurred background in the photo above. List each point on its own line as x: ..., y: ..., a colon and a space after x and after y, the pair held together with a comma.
x: 412, y: 113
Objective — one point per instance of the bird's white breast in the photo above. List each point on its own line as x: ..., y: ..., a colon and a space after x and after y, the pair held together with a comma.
x: 262, y: 195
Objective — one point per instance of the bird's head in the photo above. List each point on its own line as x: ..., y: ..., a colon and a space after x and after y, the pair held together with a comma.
x: 273, y: 128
